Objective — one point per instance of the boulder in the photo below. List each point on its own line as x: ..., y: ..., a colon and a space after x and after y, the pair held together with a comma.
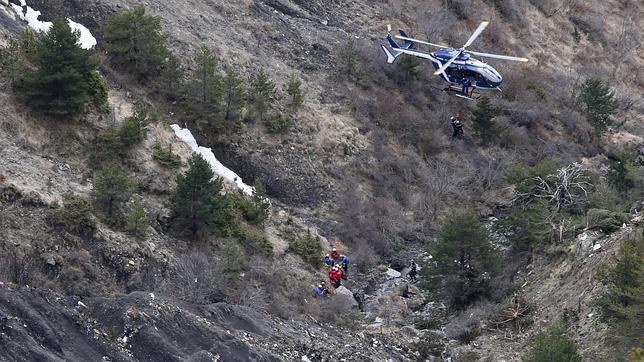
x: 392, y: 273
x: 345, y: 297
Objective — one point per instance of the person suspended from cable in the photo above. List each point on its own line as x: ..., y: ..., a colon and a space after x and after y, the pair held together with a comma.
x: 457, y: 125
x: 412, y: 271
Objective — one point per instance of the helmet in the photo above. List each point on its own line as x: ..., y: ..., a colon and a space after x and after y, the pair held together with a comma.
x: 320, y: 286
x: 328, y: 255
x: 334, y: 249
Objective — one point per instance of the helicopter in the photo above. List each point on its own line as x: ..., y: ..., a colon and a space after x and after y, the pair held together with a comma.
x: 464, y: 73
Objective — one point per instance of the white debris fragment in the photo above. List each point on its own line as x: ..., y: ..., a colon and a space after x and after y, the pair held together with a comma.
x: 217, y: 167
x: 81, y: 304
x: 597, y: 247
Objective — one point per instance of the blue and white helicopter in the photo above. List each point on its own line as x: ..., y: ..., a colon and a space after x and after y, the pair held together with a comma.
x: 456, y: 65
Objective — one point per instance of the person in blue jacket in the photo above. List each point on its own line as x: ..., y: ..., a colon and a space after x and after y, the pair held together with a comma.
x: 345, y: 263
x: 328, y: 260
x: 321, y: 290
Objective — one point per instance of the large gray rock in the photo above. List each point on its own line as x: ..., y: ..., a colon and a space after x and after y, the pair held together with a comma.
x: 392, y: 273
x: 345, y: 297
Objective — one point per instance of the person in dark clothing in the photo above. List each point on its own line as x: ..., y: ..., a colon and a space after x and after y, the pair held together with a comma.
x: 457, y: 125
x: 412, y: 271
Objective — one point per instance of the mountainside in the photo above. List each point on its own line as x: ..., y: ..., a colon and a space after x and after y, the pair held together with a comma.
x: 366, y: 164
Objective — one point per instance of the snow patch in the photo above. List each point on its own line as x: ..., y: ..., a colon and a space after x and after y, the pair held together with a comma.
x: 217, y: 167
x: 86, y: 40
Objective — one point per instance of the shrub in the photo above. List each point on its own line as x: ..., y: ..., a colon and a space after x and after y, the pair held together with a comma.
x: 196, y: 202
x: 234, y: 94
x: 349, y: 64
x: 277, y: 123
x: 233, y: 256
x: 482, y: 122
x: 99, y: 89
x: 75, y: 215
x: 522, y: 175
x: 254, y: 209
x: 60, y: 85
x: 112, y: 188
x: 204, y: 95
x: 133, y: 131
x: 309, y: 248
x: 137, y: 221
x: 622, y: 304
x: 528, y: 226
x: 165, y: 156
x: 464, y: 256
x: 295, y: 93
x: 597, y: 102
x: 407, y: 67
x: 15, y: 58
x: 134, y: 42
x: 538, y: 88
x: 195, y: 277
x: 622, y: 171
x: 261, y: 94
x: 553, y: 344
x: 606, y: 220
x: 254, y: 241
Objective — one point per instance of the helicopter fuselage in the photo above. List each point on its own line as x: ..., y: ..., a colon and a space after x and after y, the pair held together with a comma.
x: 466, y: 70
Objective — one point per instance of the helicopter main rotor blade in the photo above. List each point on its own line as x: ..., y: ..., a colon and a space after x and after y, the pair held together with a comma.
x: 497, y: 56
x: 446, y: 65
x: 420, y: 41
x: 476, y: 33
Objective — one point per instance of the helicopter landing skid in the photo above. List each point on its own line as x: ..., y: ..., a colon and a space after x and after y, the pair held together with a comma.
x: 458, y: 91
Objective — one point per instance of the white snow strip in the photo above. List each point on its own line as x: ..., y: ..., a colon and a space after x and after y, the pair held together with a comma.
x: 86, y: 40
x: 31, y: 16
x: 217, y: 167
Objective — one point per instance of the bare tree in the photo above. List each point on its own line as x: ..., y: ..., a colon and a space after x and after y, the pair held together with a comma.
x: 196, y: 277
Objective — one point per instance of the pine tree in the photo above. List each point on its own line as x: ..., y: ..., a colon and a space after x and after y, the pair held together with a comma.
x: 262, y: 94
x: 205, y: 89
x: 112, y: 188
x: 597, y: 101
x: 554, y: 344
x: 15, y: 57
x: 171, y: 77
x: 60, y: 85
x: 137, y: 221
x: 407, y: 66
x: 295, y: 93
x: 482, y: 120
x: 233, y: 96
x: 463, y: 257
x: 134, y: 41
x: 196, y: 202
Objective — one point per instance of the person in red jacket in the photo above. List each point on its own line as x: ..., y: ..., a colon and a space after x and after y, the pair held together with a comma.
x: 335, y: 275
x: 334, y: 254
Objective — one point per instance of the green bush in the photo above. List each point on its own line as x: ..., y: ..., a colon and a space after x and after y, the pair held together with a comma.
x: 60, y: 83
x: 75, y: 215
x: 134, y: 42
x: 99, y: 89
x: 15, y: 58
x: 137, y: 221
x: 349, y: 64
x: 622, y: 304
x: 261, y: 94
x: 482, y: 120
x: 527, y: 227
x: 463, y: 259
x: 538, y: 88
x: 133, y: 131
x: 553, y: 345
x: 622, y: 171
x: 522, y: 175
x: 277, y: 123
x: 112, y: 188
x: 606, y: 220
x: 164, y: 155
x: 233, y: 256
x: 197, y: 203
x: 254, y: 209
x: 295, y: 93
x: 254, y: 240
x: 309, y: 248
x: 597, y: 101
